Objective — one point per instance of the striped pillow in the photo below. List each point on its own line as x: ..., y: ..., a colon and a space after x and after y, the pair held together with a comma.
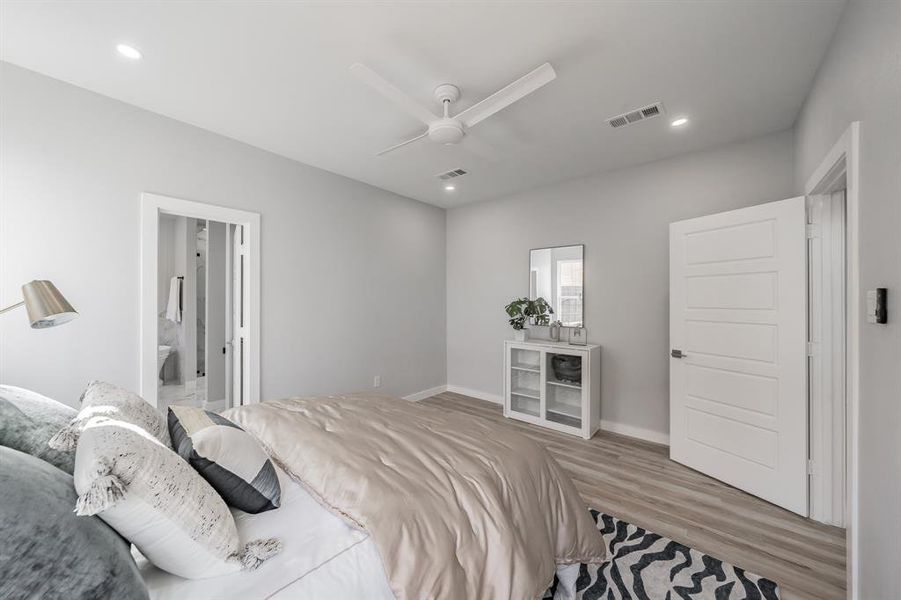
x: 228, y: 457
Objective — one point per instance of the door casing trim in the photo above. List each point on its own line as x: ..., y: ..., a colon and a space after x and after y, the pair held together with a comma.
x: 843, y: 159
x: 152, y: 206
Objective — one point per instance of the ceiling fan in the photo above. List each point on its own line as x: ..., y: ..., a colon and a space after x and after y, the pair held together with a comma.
x: 449, y: 129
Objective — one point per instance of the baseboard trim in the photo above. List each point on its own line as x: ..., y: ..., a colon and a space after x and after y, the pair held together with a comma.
x: 416, y: 397
x: 636, y: 432
x: 496, y: 398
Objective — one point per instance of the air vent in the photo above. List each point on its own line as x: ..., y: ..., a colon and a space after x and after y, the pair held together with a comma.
x: 451, y: 174
x: 634, y: 116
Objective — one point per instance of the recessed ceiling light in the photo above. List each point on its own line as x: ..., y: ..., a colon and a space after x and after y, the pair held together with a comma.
x: 129, y: 51
x: 679, y: 122
x: 449, y: 188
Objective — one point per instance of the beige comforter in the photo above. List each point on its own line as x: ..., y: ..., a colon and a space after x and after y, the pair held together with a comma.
x: 457, y: 509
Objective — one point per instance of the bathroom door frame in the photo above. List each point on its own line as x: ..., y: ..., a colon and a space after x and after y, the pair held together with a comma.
x: 154, y: 205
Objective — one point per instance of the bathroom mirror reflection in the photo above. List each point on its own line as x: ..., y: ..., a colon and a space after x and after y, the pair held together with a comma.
x: 196, y: 312
x: 556, y: 274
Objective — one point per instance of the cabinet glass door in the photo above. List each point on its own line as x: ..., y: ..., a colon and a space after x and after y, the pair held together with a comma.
x: 525, y: 381
x: 563, y: 389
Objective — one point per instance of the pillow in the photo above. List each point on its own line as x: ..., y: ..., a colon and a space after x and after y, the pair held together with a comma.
x: 228, y: 457
x: 101, y: 398
x: 27, y: 422
x: 154, y: 499
x: 48, y: 552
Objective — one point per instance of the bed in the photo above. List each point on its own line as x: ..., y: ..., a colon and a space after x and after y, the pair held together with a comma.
x: 382, y: 498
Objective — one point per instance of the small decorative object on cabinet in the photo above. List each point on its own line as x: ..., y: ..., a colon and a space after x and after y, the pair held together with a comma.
x: 554, y: 330
x: 553, y: 385
x: 578, y: 336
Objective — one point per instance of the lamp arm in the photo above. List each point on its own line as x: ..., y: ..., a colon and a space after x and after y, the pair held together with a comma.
x: 9, y: 308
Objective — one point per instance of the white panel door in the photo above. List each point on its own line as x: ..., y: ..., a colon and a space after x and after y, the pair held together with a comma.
x: 738, y: 335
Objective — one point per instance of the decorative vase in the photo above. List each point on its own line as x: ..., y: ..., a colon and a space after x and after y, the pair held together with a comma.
x: 520, y: 335
x: 554, y: 331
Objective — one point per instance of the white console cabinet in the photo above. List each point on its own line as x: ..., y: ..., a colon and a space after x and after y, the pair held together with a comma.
x: 562, y: 393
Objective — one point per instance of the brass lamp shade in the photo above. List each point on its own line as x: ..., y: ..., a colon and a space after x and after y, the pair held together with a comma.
x: 46, y: 306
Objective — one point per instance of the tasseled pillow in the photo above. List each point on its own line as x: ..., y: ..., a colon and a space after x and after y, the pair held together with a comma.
x: 158, y: 502
x: 109, y: 400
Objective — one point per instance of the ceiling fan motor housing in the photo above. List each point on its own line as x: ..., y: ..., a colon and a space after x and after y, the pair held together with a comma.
x: 447, y: 92
x: 446, y: 131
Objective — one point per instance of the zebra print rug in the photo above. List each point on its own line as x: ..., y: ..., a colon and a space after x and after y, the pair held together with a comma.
x: 647, y: 566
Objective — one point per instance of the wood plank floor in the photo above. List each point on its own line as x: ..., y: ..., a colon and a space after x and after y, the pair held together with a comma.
x: 634, y: 480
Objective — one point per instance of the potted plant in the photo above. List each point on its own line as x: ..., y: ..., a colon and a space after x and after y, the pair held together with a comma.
x: 537, y: 312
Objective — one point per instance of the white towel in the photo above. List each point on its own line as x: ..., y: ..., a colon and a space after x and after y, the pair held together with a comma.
x: 172, y: 309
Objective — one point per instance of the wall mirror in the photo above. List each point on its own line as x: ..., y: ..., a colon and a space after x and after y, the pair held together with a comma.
x: 555, y: 274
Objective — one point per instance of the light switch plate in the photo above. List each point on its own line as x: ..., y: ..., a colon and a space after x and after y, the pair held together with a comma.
x: 877, y: 311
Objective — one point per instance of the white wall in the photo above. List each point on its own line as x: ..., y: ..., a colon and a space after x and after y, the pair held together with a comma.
x: 860, y: 80
x: 622, y: 218
x: 353, y: 281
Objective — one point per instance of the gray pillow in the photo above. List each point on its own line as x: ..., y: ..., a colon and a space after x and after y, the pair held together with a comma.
x: 27, y: 422
x: 50, y: 552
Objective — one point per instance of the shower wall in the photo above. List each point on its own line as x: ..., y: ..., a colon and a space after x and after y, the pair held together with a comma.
x: 177, y: 258
x: 217, y: 313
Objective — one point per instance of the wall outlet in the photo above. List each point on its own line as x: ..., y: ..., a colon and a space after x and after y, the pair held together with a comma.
x: 377, y: 381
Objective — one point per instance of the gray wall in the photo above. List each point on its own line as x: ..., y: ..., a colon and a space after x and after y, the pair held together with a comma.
x: 622, y: 218
x: 353, y: 281
x: 860, y: 80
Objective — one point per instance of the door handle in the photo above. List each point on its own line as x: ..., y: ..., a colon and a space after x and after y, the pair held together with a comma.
x: 677, y: 354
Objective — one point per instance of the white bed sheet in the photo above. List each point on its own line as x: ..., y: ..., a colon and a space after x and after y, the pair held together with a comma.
x: 322, y: 558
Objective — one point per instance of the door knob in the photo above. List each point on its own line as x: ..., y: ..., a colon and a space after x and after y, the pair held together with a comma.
x: 677, y: 354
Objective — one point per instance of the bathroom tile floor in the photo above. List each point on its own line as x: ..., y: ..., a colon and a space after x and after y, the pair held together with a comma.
x: 191, y: 394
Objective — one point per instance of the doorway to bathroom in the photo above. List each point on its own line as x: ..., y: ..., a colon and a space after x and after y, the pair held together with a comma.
x: 200, y: 304
x: 195, y: 316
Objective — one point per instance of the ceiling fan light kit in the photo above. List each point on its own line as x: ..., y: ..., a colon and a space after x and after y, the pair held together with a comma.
x: 447, y: 129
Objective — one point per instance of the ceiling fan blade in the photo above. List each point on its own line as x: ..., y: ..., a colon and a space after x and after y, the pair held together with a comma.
x: 388, y: 90
x: 499, y: 100
x: 400, y: 145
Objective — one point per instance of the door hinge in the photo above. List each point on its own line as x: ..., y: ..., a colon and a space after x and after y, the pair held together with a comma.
x: 810, y: 469
x: 813, y: 231
x: 813, y: 349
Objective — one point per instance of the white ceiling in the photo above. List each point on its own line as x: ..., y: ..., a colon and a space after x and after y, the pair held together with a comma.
x: 275, y: 75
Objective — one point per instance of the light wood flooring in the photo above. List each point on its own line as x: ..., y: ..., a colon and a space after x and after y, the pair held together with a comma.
x: 634, y: 480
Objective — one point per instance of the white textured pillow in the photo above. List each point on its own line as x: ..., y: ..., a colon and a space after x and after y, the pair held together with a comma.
x: 106, y: 399
x: 157, y: 501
